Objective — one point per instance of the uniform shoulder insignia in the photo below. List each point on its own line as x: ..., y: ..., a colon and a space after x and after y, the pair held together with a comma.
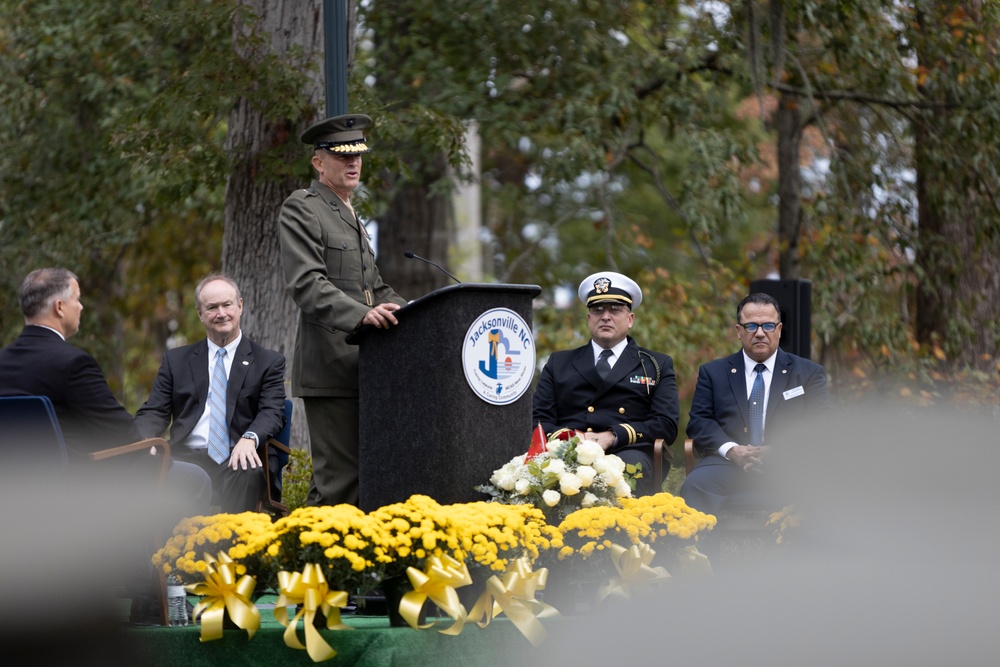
x: 311, y: 192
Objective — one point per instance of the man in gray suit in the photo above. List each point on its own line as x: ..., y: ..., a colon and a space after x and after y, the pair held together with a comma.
x: 225, y: 396
x: 330, y: 270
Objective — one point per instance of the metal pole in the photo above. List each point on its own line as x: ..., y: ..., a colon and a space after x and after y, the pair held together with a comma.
x: 335, y: 55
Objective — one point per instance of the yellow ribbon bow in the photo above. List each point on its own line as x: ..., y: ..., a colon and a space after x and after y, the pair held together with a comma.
x: 514, y: 595
x: 692, y: 564
x: 221, y: 593
x: 633, y: 569
x: 308, y: 589
x: 438, y: 581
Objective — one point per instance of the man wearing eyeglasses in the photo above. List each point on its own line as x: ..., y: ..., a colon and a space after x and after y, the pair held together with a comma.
x: 738, y: 403
x: 611, y: 390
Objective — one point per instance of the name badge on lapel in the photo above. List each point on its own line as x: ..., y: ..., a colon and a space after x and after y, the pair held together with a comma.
x: 792, y: 393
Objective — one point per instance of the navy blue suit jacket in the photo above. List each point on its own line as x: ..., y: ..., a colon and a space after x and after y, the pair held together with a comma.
x: 40, y: 363
x: 255, y: 393
x: 719, y: 410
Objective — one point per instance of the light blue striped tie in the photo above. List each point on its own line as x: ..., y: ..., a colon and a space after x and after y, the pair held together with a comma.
x: 218, y: 435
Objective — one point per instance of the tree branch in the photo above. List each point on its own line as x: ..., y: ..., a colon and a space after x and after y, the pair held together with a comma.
x: 857, y: 96
x: 667, y: 197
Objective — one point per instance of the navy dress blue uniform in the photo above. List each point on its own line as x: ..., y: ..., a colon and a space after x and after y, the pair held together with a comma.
x: 636, y: 402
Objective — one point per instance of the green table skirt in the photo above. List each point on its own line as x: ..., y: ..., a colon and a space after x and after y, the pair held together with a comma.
x: 370, y: 643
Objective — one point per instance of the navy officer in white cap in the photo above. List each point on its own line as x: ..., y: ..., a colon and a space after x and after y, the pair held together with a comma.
x: 329, y: 266
x: 611, y: 390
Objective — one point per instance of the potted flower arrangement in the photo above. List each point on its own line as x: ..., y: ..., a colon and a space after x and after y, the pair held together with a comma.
x: 494, y: 536
x: 197, y: 537
x: 567, y: 475
x: 416, y: 530
x: 347, y: 544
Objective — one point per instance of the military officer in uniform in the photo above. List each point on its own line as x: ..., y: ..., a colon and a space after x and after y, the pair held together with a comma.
x: 329, y: 267
x: 611, y: 390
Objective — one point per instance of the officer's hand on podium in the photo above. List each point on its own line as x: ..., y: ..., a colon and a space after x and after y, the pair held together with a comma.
x: 381, y: 316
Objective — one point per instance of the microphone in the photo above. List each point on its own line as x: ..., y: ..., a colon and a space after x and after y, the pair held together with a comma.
x: 409, y: 255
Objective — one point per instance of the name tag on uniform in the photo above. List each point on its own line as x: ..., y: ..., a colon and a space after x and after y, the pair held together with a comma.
x: 642, y: 379
x: 792, y: 393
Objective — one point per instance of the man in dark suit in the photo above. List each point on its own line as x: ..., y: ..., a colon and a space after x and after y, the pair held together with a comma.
x: 722, y: 421
x: 42, y: 363
x: 611, y: 390
x: 224, y: 395
x: 330, y: 270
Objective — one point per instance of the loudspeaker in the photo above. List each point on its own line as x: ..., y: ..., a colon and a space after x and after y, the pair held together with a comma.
x: 795, y: 299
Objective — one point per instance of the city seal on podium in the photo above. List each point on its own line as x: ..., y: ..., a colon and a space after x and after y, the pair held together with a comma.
x: 498, y: 356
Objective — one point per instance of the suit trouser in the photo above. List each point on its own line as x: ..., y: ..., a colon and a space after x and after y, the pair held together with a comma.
x: 186, y: 492
x: 234, y: 491
x: 333, y: 441
x: 716, y: 485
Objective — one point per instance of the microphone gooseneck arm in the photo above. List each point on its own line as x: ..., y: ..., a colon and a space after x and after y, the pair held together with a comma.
x: 410, y: 255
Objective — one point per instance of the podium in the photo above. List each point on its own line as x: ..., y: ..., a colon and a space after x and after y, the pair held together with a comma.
x: 444, y: 396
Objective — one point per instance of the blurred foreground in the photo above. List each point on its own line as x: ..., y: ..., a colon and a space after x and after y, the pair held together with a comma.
x: 895, y: 561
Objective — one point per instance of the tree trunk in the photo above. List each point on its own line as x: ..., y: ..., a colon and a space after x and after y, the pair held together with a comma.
x: 417, y: 222
x: 958, y: 293
x: 958, y: 252
x: 789, y: 128
x: 416, y: 218
x: 789, y: 187
x: 293, y: 31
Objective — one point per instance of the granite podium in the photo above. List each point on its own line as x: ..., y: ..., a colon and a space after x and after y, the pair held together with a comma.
x: 445, y: 396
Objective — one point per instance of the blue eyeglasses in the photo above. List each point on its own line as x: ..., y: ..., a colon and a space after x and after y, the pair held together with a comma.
x: 751, y: 327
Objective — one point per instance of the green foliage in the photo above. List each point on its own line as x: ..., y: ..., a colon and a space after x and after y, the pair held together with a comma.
x: 72, y: 192
x: 615, y: 134
x: 295, y: 479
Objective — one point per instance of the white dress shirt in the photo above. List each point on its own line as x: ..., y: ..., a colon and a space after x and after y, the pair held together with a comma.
x: 748, y: 368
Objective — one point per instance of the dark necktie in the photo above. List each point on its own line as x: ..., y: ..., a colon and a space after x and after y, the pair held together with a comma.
x: 603, y: 367
x: 757, y: 407
x: 218, y: 435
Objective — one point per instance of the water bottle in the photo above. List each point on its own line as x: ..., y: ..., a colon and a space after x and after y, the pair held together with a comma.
x: 176, y: 601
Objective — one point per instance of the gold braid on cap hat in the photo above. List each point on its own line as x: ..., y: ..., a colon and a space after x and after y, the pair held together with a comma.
x: 359, y: 147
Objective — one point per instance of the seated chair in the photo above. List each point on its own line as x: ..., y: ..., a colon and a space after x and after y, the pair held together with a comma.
x: 661, y: 453
x: 274, y: 457
x: 32, y: 421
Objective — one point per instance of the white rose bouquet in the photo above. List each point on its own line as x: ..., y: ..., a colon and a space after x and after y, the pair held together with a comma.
x: 561, y: 477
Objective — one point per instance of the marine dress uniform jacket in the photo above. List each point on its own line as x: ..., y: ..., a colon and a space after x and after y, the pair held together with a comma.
x: 330, y: 271
x: 637, y: 400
